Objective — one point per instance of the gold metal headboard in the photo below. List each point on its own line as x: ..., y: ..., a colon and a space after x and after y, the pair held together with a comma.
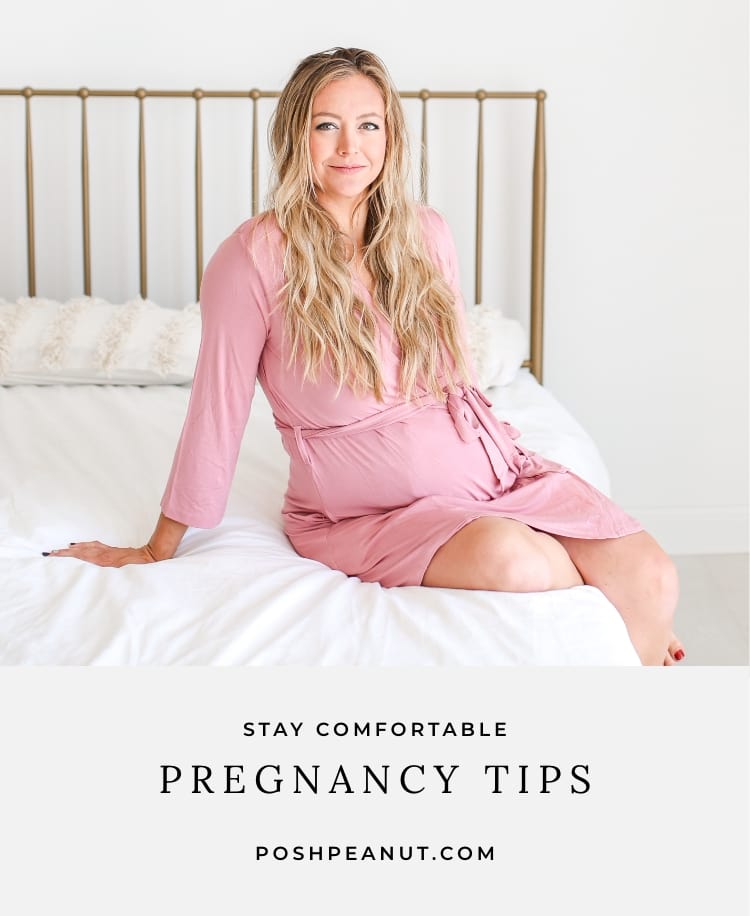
x: 538, y: 183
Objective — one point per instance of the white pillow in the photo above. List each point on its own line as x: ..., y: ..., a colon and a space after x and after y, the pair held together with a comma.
x: 90, y: 341
x: 497, y: 345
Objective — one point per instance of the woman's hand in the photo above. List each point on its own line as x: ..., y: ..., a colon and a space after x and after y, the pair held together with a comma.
x: 161, y: 546
x: 103, y: 555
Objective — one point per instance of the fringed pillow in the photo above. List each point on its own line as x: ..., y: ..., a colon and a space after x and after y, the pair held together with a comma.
x: 90, y: 341
x: 497, y: 345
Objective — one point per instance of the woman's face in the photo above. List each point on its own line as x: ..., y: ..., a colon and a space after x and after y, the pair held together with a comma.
x: 347, y: 140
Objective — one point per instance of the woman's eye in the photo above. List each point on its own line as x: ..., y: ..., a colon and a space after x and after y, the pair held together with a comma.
x: 325, y: 125
x: 370, y: 125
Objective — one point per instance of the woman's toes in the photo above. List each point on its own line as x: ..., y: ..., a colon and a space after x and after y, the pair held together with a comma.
x: 675, y: 651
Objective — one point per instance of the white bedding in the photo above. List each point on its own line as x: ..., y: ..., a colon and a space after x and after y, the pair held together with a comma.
x: 84, y: 462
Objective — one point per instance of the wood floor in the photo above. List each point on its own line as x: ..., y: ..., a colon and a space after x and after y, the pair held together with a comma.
x: 712, y: 616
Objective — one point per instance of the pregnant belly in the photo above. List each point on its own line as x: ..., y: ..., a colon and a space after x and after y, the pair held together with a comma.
x: 381, y: 469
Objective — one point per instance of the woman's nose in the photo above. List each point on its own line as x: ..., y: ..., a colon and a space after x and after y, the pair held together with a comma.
x: 347, y: 141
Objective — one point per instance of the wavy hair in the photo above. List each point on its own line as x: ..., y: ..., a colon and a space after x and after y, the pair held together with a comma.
x: 324, y: 320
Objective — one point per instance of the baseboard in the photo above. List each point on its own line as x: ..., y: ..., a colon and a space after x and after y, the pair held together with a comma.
x: 720, y: 529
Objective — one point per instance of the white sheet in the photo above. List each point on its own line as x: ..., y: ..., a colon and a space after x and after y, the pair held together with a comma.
x: 88, y: 462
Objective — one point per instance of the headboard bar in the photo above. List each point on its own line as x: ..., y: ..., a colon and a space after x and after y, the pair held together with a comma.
x: 255, y: 94
x: 536, y: 341
x: 86, y: 214
x: 143, y: 248
x: 539, y: 194
x: 248, y: 93
x: 478, y: 247
x: 30, y: 241
x: 198, y: 195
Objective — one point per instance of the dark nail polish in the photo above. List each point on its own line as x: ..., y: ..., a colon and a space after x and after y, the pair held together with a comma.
x: 679, y: 655
x: 72, y: 543
x: 45, y: 554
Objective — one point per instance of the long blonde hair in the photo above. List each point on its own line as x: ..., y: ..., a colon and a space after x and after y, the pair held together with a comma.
x: 324, y: 319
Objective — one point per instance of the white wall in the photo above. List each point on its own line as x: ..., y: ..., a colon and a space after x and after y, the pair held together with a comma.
x: 646, y: 333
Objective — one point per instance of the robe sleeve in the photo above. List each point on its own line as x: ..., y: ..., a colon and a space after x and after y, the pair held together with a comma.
x: 442, y: 248
x: 234, y: 312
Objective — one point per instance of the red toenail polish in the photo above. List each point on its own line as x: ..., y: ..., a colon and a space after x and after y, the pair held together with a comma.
x: 679, y: 655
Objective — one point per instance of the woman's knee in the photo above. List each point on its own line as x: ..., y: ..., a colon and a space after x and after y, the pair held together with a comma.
x: 521, y: 565
x: 493, y: 554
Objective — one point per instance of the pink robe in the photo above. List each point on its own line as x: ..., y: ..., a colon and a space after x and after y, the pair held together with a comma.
x: 375, y: 487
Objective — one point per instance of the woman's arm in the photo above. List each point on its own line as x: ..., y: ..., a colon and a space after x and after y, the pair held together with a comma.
x: 161, y: 546
x: 233, y: 334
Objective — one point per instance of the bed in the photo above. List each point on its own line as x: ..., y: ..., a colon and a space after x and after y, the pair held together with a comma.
x: 93, y: 392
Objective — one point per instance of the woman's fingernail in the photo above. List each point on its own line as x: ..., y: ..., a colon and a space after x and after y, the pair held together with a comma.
x: 45, y: 553
x: 72, y: 543
x: 679, y: 655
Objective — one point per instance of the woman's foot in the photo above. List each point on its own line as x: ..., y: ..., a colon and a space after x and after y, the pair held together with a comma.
x: 675, y: 651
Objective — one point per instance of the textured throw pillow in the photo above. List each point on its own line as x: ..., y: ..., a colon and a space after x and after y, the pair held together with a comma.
x: 90, y: 341
x: 497, y: 345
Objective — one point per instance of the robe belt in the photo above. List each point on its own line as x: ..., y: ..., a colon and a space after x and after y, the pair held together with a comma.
x: 472, y: 417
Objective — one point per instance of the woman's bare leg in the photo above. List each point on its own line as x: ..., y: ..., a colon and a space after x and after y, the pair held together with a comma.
x: 640, y: 580
x: 500, y: 554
